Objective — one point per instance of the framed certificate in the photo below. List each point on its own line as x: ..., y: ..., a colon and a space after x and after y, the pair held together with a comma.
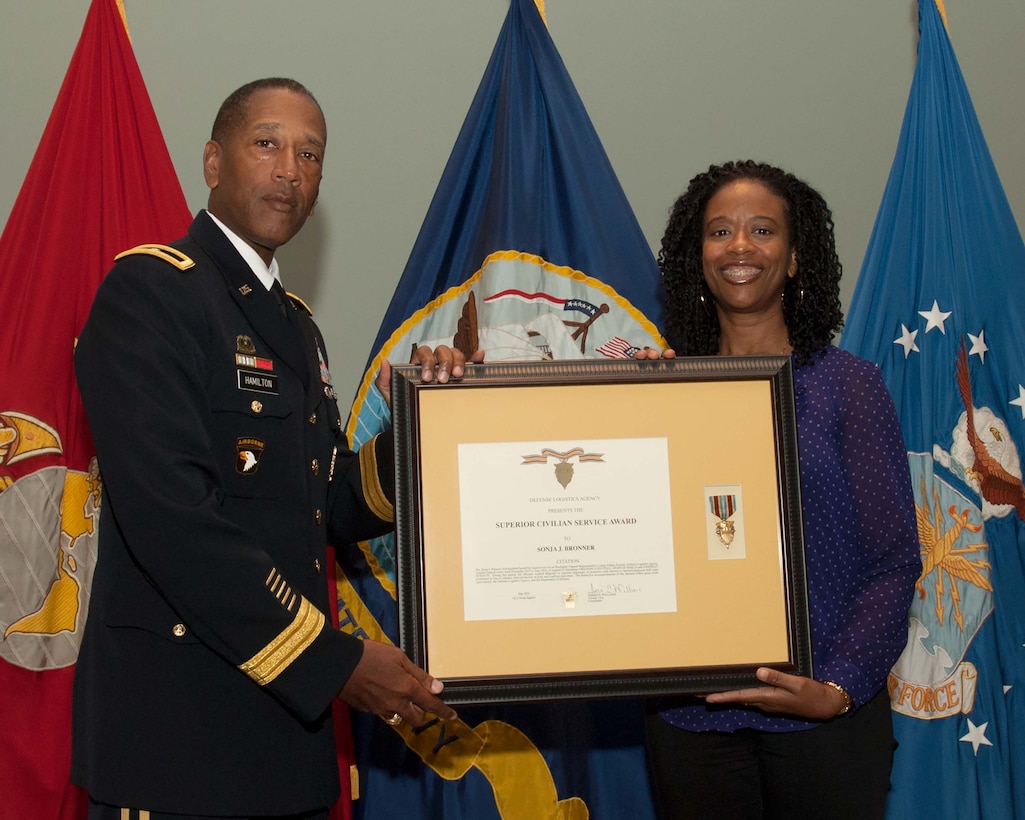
x: 600, y: 528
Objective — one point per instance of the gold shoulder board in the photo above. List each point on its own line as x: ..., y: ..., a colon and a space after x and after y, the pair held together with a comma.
x: 172, y: 256
x: 299, y: 302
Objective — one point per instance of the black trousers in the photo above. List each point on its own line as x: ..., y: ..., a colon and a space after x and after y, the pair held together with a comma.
x: 101, y: 811
x: 835, y: 771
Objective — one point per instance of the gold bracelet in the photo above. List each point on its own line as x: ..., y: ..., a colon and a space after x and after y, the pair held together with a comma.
x: 847, y: 701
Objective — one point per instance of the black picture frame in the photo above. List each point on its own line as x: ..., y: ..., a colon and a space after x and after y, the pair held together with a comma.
x: 721, y: 409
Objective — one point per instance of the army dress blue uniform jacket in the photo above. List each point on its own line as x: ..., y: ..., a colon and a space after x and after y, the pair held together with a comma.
x: 208, y: 664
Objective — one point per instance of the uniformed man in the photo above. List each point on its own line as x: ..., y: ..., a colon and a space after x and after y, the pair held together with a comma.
x: 208, y: 664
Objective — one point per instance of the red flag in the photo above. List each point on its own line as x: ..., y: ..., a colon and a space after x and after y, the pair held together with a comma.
x: 101, y: 181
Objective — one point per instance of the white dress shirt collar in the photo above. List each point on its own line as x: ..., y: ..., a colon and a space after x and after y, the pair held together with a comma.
x: 265, y: 274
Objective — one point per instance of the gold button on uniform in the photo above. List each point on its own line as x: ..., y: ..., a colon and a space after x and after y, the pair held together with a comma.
x: 313, y: 418
x: 257, y: 406
x: 315, y: 466
x: 316, y: 564
x: 178, y: 630
x: 317, y: 516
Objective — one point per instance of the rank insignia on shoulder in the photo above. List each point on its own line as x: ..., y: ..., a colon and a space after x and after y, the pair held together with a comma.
x: 243, y: 344
x: 172, y: 256
x: 249, y: 452
x: 299, y: 303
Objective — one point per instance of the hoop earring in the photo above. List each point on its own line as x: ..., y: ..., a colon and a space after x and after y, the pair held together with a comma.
x: 800, y: 299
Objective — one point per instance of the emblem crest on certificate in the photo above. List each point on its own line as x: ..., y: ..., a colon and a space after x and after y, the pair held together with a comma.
x: 724, y: 522
x: 563, y: 461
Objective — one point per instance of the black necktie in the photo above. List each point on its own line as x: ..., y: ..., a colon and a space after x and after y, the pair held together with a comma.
x: 279, y: 294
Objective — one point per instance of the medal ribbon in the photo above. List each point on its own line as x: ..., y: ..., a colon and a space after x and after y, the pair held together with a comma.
x: 723, y: 505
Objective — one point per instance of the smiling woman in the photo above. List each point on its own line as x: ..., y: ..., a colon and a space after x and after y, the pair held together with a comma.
x: 749, y: 264
x: 750, y: 268
x: 747, y: 259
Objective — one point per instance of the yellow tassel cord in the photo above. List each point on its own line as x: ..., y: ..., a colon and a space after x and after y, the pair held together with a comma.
x: 514, y: 767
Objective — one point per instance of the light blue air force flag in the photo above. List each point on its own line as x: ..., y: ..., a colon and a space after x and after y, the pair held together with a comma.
x: 938, y: 305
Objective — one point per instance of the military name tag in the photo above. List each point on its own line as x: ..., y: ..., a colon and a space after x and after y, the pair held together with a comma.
x: 259, y: 382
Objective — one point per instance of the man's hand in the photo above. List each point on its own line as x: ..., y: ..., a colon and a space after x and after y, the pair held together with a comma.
x: 441, y: 364
x: 386, y: 683
x: 786, y: 694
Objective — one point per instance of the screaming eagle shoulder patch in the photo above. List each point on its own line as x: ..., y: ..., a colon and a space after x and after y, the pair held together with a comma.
x: 249, y: 452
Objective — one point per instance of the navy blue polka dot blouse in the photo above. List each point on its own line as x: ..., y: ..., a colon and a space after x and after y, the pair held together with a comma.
x: 861, y: 539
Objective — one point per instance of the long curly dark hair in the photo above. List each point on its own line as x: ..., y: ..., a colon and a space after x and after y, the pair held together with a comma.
x: 811, y: 300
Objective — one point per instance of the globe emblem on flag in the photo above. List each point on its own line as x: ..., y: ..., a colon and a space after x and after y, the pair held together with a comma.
x: 47, y: 549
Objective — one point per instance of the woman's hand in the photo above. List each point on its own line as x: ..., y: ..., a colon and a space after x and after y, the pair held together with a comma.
x: 654, y: 353
x: 788, y: 695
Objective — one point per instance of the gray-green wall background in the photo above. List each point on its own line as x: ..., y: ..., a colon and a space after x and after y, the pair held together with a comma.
x: 816, y: 86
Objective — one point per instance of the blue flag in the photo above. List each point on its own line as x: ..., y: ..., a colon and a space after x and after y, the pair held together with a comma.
x: 938, y: 305
x: 529, y: 251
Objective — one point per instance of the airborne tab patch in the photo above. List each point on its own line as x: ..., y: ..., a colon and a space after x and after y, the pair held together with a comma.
x: 249, y: 452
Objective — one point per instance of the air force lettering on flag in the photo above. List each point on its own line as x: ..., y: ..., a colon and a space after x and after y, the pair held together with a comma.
x: 938, y: 305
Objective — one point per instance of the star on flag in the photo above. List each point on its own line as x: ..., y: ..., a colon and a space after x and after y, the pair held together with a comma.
x: 979, y: 346
x: 1020, y: 401
x: 935, y: 317
x: 907, y: 340
x: 976, y: 736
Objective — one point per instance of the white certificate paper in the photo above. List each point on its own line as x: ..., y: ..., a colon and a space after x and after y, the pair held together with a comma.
x: 556, y: 529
